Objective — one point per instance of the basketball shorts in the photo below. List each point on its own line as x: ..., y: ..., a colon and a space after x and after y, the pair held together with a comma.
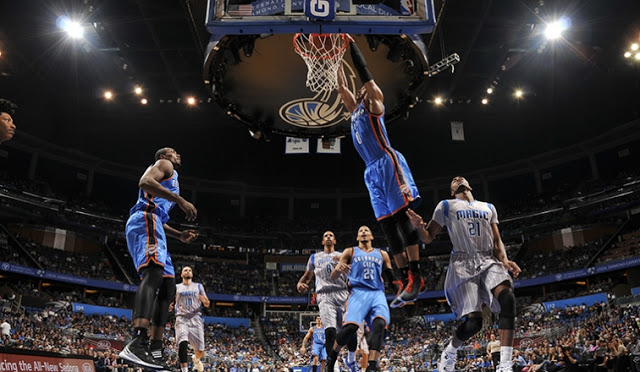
x: 319, y: 350
x: 390, y: 184
x: 469, y: 281
x: 147, y: 242
x: 365, y: 304
x: 331, y: 306
x: 190, y: 329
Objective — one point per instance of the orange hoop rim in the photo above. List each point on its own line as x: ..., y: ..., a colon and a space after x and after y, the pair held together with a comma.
x: 303, y: 53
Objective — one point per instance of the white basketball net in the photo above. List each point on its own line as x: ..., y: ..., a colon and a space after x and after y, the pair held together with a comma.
x: 323, y: 55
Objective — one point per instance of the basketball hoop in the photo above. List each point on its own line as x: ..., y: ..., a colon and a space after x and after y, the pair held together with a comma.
x: 323, y: 54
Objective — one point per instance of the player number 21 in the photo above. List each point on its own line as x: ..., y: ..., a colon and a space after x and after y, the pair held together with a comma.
x: 474, y: 228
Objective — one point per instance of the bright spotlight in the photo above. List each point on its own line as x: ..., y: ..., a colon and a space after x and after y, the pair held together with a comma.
x: 144, y: 101
x: 489, y: 90
x: 73, y: 29
x: 627, y: 54
x: 637, y: 56
x: 108, y: 95
x: 485, y: 101
x: 634, y: 46
x: 438, y: 101
x: 554, y: 29
x: 138, y: 90
x: 518, y: 93
x: 191, y: 101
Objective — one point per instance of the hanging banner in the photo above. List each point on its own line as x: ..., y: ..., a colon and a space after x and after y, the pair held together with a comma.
x: 328, y: 146
x: 457, y: 131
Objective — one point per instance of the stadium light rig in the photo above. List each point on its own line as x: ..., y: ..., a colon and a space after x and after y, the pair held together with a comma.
x: 73, y: 29
x: 555, y: 29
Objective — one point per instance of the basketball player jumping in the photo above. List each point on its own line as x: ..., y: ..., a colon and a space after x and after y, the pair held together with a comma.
x: 366, y: 267
x: 190, y: 297
x: 332, y: 293
x: 387, y: 176
x: 146, y: 232
x: 477, y: 271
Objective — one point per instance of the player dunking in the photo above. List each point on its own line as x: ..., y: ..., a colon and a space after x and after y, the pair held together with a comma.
x: 146, y: 232
x: 477, y: 271
x: 318, y: 350
x: 190, y: 297
x: 331, y: 292
x: 387, y: 176
x: 366, y: 267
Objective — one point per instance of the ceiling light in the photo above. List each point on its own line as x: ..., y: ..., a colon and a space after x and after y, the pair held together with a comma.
x: 518, y: 93
x: 144, y: 101
x: 138, y: 90
x: 634, y: 46
x: 489, y: 90
x: 73, y: 29
x: 485, y: 101
x: 554, y: 29
x: 191, y: 101
x: 627, y: 54
x: 438, y: 101
x: 108, y: 94
x: 637, y: 56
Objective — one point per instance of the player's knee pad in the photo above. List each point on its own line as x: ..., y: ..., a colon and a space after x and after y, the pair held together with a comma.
x: 409, y: 233
x: 393, y: 235
x: 507, y: 317
x: 346, y: 333
x: 470, y: 327
x: 377, y: 334
x: 183, y: 356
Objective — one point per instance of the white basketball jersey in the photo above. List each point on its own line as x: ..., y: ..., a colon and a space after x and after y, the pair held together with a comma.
x: 321, y: 264
x: 469, y: 224
x: 187, y: 302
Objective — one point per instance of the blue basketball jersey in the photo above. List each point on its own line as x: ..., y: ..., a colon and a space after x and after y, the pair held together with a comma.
x: 158, y: 206
x: 366, y: 270
x: 318, y: 335
x: 369, y: 135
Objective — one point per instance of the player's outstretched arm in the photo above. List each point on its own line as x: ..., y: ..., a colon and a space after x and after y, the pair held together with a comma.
x: 348, y: 99
x: 375, y: 98
x: 426, y: 232
x: 306, y: 338
x: 343, y: 266
x: 500, y: 252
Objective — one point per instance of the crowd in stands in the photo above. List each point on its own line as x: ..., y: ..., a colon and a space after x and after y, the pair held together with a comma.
x: 534, y: 264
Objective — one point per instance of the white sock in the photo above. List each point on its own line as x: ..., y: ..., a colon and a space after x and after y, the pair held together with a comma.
x: 184, y: 369
x: 450, y: 349
x: 351, y: 357
x: 506, y: 353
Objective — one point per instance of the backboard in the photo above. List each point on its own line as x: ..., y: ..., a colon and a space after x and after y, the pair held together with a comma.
x: 241, y: 17
x: 254, y: 74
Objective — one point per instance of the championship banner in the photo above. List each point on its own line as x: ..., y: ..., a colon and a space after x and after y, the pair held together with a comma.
x: 47, y: 362
x: 328, y: 146
x: 296, y: 145
x: 457, y: 131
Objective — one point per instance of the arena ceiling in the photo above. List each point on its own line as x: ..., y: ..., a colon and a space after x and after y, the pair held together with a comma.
x: 574, y: 88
